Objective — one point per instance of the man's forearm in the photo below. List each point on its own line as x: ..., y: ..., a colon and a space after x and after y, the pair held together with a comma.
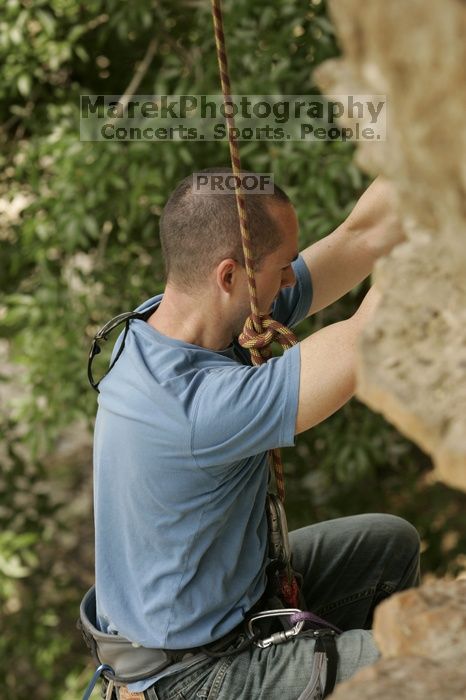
x: 328, y: 365
x: 375, y: 219
x: 343, y: 259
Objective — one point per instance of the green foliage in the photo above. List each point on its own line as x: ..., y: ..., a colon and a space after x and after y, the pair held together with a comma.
x: 33, y: 582
x: 84, y: 240
x: 79, y: 244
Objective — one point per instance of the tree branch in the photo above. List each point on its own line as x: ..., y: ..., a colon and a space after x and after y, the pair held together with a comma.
x: 139, y: 74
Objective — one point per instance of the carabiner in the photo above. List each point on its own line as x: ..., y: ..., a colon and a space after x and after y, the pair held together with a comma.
x: 276, y: 637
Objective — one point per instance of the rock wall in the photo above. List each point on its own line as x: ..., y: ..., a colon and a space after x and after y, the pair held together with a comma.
x: 413, y: 357
x: 407, y: 679
x: 429, y: 621
x: 422, y: 636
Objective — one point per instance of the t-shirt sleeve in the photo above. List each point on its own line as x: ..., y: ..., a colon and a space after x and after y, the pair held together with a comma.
x: 293, y: 303
x: 242, y: 411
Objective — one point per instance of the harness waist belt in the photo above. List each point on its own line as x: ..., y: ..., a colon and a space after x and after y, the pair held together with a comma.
x: 129, y: 661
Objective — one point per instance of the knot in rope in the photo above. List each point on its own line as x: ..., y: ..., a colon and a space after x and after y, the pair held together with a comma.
x: 258, y: 342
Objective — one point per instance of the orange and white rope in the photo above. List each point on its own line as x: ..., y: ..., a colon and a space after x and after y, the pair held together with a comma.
x: 259, y: 330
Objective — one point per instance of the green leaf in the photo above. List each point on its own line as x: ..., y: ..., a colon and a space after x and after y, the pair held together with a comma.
x: 24, y: 84
x: 47, y: 21
x: 81, y: 53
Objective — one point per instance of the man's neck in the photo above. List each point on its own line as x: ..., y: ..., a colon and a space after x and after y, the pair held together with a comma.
x: 181, y: 317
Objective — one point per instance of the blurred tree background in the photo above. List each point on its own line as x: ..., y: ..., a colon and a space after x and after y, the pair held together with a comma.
x: 79, y: 244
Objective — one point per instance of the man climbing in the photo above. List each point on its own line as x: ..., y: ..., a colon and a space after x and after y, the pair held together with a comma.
x: 182, y: 434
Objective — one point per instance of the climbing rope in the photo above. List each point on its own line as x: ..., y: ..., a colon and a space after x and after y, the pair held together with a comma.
x: 259, y: 330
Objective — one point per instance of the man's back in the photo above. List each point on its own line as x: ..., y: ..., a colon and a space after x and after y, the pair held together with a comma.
x: 181, y: 477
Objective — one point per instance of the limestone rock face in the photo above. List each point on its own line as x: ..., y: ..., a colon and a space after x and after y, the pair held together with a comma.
x: 413, y: 357
x: 408, y: 679
x: 427, y: 622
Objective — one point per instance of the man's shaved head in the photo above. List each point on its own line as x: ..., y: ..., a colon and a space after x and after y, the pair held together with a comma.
x: 199, y: 230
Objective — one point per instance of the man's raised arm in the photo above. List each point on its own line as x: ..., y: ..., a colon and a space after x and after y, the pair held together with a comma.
x: 328, y: 366
x: 344, y: 258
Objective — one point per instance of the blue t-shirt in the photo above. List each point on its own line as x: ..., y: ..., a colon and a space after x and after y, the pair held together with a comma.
x: 180, y: 480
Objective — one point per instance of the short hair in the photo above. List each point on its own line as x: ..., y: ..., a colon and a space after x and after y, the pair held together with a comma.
x: 199, y: 230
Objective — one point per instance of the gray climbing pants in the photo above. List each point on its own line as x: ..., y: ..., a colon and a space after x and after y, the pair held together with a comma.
x: 348, y: 566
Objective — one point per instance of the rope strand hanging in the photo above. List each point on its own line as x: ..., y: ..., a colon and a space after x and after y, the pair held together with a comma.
x: 259, y: 330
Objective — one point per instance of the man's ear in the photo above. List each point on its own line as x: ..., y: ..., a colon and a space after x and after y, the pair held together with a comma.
x: 226, y: 274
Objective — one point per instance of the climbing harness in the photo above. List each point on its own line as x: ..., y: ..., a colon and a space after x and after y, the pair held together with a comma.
x: 119, y: 660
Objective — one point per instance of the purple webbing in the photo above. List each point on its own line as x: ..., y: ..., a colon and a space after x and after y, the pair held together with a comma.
x: 311, y: 620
